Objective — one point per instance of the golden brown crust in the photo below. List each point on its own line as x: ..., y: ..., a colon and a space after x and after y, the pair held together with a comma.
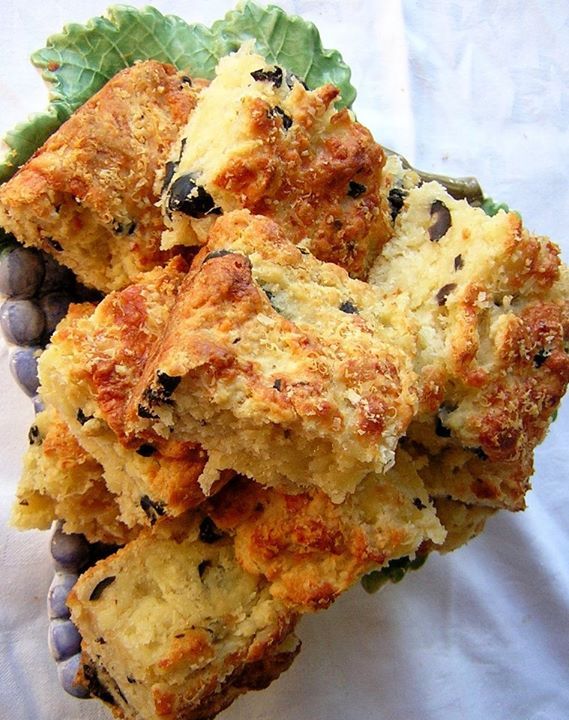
x: 311, y: 549
x: 284, y: 368
x: 212, y: 630
x: 514, y: 407
x: 60, y: 481
x: 89, y: 371
x: 87, y: 195
x: 117, y: 339
x: 309, y: 198
x: 292, y: 158
x: 490, y: 305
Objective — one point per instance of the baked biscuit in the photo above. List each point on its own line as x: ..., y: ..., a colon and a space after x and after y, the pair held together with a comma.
x: 87, y: 373
x: 61, y: 481
x: 88, y: 195
x: 173, y: 627
x: 280, y: 366
x: 492, y: 320
x: 260, y: 140
x: 312, y: 549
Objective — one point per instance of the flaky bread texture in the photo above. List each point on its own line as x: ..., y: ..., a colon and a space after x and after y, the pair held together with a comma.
x: 462, y: 522
x: 87, y: 373
x: 490, y: 303
x: 260, y: 140
x: 196, y: 610
x: 312, y: 549
x: 281, y: 366
x: 173, y: 627
x: 88, y: 195
x: 61, y: 481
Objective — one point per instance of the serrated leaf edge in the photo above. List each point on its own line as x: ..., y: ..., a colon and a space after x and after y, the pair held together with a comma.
x: 112, y: 21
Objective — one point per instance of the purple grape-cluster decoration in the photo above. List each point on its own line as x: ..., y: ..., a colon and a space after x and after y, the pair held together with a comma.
x: 71, y: 554
x: 38, y: 291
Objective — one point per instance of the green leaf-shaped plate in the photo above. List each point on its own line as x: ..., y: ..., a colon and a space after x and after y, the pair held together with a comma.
x: 289, y: 41
x: 77, y: 62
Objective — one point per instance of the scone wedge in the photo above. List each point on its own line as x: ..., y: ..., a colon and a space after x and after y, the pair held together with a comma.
x: 88, y: 195
x: 281, y: 366
x: 88, y: 372
x: 490, y: 303
x: 260, y: 140
x: 173, y: 627
x: 61, y: 481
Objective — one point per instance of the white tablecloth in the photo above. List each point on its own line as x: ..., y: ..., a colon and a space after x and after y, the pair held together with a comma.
x: 458, y: 87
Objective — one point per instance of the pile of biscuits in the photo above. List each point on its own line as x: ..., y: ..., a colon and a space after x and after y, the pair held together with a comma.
x: 307, y: 364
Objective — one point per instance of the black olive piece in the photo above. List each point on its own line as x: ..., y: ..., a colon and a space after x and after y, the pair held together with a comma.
x: 34, y: 436
x: 440, y: 429
x: 187, y: 197
x: 202, y: 567
x: 57, y: 246
x: 100, y: 551
x: 130, y: 680
x: 101, y: 641
x: 479, y: 453
x: 441, y: 221
x: 209, y: 532
x: 304, y: 251
x: 418, y: 504
x: 169, y: 170
x: 458, y: 262
x: 275, y: 76
x: 540, y: 357
x: 217, y: 254
x: 355, y: 189
x: 277, y: 385
x: 101, y: 586
x: 348, y: 307
x: 146, y: 450
x: 95, y: 686
x: 82, y: 418
x: 182, y: 148
x: 291, y: 78
x: 153, y: 509
x: 124, y: 228
x: 442, y: 296
x: 145, y: 412
x: 396, y: 199
x: 286, y: 119
x: 187, y: 80
x: 159, y: 394
x: 168, y: 382
x: 154, y: 396
x: 271, y: 297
